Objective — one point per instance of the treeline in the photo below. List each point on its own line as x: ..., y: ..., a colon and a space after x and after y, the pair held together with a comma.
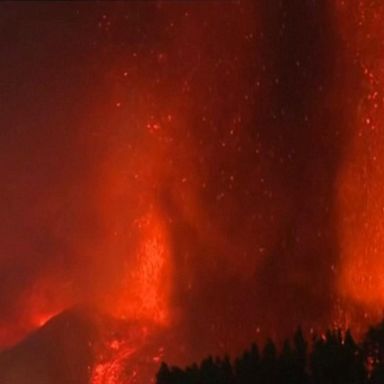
x: 332, y: 358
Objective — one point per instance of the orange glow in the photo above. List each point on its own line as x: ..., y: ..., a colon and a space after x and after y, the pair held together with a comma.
x: 223, y: 178
x: 145, y: 289
x: 110, y: 370
x: 361, y: 180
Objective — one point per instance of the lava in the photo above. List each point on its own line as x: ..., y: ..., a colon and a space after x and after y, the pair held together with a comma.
x: 146, y: 288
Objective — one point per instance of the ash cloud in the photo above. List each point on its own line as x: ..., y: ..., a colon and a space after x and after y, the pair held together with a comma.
x: 242, y: 168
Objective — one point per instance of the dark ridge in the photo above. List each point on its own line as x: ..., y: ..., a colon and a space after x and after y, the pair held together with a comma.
x: 59, y: 352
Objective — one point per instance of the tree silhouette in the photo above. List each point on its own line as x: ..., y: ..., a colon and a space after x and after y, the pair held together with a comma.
x: 373, y: 346
x: 268, y: 367
x: 247, y: 367
x: 333, y: 358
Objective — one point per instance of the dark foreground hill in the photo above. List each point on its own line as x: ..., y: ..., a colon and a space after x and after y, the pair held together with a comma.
x: 57, y: 353
x: 79, y: 343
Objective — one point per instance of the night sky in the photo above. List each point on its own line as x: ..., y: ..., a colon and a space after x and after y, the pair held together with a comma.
x: 212, y: 167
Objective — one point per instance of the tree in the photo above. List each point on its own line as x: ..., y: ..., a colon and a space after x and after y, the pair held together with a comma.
x: 163, y: 376
x: 268, y: 367
x: 247, y: 367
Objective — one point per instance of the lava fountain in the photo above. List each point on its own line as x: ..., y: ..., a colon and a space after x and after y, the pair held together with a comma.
x: 360, y: 191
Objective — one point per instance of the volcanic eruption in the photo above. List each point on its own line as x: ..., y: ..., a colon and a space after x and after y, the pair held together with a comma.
x: 179, y: 178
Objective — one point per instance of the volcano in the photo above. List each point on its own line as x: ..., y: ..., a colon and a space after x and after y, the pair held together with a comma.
x: 81, y: 346
x: 58, y: 352
x: 205, y: 173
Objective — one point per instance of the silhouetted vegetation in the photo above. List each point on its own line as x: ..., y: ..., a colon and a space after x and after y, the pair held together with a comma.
x: 332, y: 358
